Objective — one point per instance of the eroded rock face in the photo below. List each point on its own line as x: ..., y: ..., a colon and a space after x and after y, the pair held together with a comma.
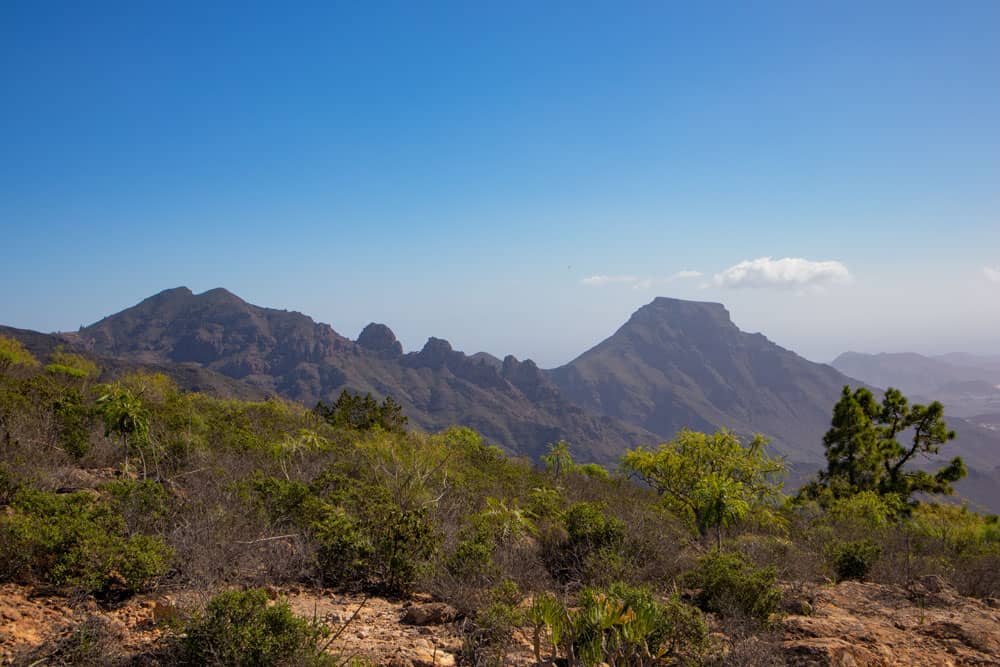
x: 380, y: 339
x: 871, y: 625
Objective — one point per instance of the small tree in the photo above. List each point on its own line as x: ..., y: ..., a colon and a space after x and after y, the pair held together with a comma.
x: 559, y: 461
x: 863, y: 451
x: 125, y: 416
x: 13, y: 353
x: 712, y: 480
x: 363, y: 413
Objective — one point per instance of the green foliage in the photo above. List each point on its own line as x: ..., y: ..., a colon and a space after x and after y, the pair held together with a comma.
x: 70, y: 365
x: 853, y: 560
x: 590, y: 529
x: 863, y: 453
x: 592, y: 549
x: 559, y: 461
x: 75, y: 540
x: 595, y: 471
x: 74, y: 417
x: 363, y: 413
x: 13, y: 353
x: 125, y: 416
x: 730, y: 585
x: 495, y: 624
x: 711, y: 480
x: 955, y: 529
x: 504, y: 523
x: 866, y: 511
x: 240, y: 629
x: 362, y: 536
x: 621, y: 625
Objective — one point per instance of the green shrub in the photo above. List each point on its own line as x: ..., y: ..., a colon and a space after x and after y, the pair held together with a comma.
x: 620, y: 625
x: 589, y: 527
x: 143, y: 504
x: 853, y: 560
x: 362, y: 537
x: 492, y: 633
x: 75, y: 421
x: 240, y: 629
x: 591, y: 551
x: 731, y: 585
x: 472, y: 559
x: 405, y: 540
x: 78, y: 541
x: 344, y: 547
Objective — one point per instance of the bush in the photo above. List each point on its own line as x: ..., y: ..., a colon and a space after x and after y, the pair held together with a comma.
x: 591, y: 550
x: 75, y: 540
x: 343, y: 549
x: 853, y: 560
x: 493, y: 627
x: 75, y: 422
x: 240, y: 629
x: 730, y: 585
x: 622, y: 625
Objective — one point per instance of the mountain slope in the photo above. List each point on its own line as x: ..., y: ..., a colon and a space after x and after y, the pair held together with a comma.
x: 678, y: 364
x: 190, y: 377
x: 966, y: 385
x: 285, y: 352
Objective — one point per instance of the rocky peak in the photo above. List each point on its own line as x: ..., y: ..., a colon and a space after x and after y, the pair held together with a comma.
x: 528, y: 378
x: 682, y: 316
x: 380, y: 339
x: 435, y: 354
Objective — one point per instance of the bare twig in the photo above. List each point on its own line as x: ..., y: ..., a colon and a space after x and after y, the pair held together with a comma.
x: 268, y: 539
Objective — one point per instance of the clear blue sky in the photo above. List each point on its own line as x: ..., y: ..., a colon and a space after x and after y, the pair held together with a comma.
x: 516, y: 177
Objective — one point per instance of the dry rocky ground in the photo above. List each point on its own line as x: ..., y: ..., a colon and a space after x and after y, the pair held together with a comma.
x: 849, y: 624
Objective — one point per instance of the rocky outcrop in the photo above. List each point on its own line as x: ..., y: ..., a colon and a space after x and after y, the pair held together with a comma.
x: 871, y: 625
x: 379, y: 339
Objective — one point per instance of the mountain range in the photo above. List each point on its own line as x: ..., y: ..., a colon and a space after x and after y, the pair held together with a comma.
x: 673, y: 364
x: 967, y: 385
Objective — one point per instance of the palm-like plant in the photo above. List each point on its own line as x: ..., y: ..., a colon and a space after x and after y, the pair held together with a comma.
x: 125, y: 416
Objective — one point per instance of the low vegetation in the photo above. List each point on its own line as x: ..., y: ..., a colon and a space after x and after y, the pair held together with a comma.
x: 132, y: 485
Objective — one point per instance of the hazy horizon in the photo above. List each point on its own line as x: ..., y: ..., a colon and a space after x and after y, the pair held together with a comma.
x: 414, y: 342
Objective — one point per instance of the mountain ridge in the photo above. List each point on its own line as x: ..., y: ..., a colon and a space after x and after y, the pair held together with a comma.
x: 673, y: 364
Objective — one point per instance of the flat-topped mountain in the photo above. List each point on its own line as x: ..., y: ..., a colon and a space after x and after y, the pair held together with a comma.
x: 681, y: 363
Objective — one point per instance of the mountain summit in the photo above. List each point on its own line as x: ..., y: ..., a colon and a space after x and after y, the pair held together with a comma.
x: 677, y: 364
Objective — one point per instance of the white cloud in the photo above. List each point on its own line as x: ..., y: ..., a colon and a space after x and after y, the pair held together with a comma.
x: 685, y: 275
x: 992, y: 273
x: 599, y: 280
x: 784, y: 272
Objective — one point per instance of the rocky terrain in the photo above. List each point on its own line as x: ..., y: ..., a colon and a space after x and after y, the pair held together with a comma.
x: 852, y: 623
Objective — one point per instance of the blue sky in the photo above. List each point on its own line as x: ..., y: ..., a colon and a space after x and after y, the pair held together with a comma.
x: 515, y: 177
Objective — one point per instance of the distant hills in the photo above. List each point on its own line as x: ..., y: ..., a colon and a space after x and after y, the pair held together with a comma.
x: 673, y: 364
x: 968, y: 385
